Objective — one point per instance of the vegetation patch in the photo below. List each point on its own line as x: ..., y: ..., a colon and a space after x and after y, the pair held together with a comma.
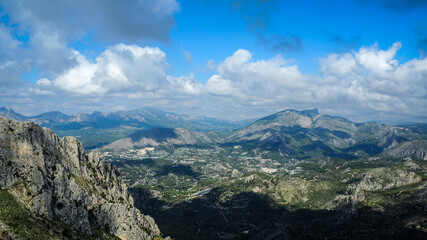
x: 20, y: 221
x: 82, y: 183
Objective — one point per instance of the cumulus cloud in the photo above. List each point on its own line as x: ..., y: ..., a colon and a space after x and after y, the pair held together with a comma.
x: 362, y: 85
x: 374, y: 80
x: 118, y: 69
x: 370, y: 81
x: 185, y: 84
x: 240, y: 76
x: 124, y: 70
x: 52, y: 25
x: 43, y: 82
x: 377, y: 71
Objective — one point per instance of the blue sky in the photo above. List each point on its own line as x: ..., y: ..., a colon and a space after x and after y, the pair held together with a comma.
x: 360, y: 59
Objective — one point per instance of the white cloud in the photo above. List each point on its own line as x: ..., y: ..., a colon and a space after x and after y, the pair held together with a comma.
x: 121, y: 68
x: 240, y: 76
x: 44, y: 82
x: 51, y: 26
x: 221, y: 86
x: 38, y: 91
x: 335, y: 67
x: 363, y: 85
x: 379, y: 62
x: 125, y: 71
x: 185, y: 84
x: 377, y: 72
x: 368, y: 81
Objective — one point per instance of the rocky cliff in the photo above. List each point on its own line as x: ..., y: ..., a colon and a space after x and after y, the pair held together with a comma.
x: 56, y: 181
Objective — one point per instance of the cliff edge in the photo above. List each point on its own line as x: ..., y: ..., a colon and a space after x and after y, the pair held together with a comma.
x: 56, y: 182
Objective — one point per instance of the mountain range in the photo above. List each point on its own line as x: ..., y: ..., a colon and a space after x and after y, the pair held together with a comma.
x: 98, y: 128
x: 294, y: 134
x: 145, y: 118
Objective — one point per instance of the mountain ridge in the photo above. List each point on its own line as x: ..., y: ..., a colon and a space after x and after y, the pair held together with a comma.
x: 298, y: 134
x: 151, y: 115
x: 98, y: 128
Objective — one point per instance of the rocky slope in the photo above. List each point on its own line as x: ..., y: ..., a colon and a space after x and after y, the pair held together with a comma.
x: 57, y: 182
x: 415, y: 148
x: 159, y: 136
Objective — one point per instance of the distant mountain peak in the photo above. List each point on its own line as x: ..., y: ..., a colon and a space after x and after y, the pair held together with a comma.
x: 292, y: 115
x: 310, y: 111
x: 9, y: 113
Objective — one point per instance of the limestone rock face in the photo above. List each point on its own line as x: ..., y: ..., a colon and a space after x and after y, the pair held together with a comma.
x: 55, y: 179
x: 126, y: 222
x: 415, y: 148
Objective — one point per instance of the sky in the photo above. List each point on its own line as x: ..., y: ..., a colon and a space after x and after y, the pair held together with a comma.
x: 231, y: 59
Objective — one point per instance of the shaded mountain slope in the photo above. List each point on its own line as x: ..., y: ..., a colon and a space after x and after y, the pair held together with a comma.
x: 307, y: 133
x: 159, y: 136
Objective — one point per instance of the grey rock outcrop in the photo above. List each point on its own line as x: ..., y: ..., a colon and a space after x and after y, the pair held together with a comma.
x: 415, y: 148
x: 55, y: 179
x: 382, y: 179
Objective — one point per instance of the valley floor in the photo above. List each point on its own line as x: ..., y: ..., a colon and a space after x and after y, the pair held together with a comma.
x: 238, y: 193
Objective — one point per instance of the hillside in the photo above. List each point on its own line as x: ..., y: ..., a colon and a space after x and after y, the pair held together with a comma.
x: 416, y: 149
x: 51, y: 189
x: 159, y: 136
